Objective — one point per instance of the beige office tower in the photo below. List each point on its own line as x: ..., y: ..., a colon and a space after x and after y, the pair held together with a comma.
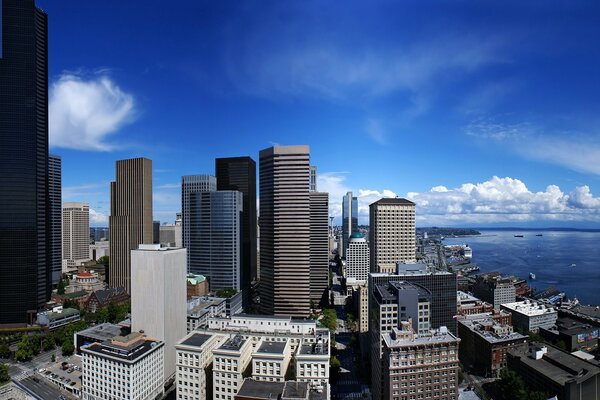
x: 130, y: 221
x: 285, y: 231
x: 392, y: 235
x: 75, y: 234
x: 319, y: 246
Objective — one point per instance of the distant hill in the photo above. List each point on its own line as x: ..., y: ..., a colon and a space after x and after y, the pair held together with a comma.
x: 436, y: 231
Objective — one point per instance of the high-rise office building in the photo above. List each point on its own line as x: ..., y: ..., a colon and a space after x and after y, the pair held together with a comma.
x: 130, y: 221
x: 357, y: 257
x: 215, y: 245
x: 313, y: 178
x: 319, y: 245
x: 55, y: 213
x: 392, y: 233
x: 285, y: 230
x: 75, y: 234
x: 155, y: 232
x: 192, y: 184
x: 25, y: 257
x: 158, y: 297
x: 349, y: 220
x: 239, y: 173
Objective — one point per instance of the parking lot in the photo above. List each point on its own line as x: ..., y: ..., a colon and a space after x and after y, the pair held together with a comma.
x: 65, y: 375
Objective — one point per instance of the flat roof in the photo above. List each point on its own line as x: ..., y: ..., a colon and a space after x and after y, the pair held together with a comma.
x: 126, y: 354
x: 478, y: 326
x: 101, y: 332
x: 295, y: 390
x: 196, y: 339
x: 260, y: 389
x: 272, y: 347
x: 529, y: 308
x: 557, y: 365
x: 394, y: 201
x: 235, y: 343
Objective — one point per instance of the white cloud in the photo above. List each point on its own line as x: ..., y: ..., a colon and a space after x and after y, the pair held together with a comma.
x: 98, y: 218
x: 573, y: 150
x: 503, y: 200
x: 85, y: 112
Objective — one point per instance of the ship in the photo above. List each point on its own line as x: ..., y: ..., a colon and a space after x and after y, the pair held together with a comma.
x: 531, y: 276
x: 539, y: 234
x: 518, y: 235
x: 573, y: 265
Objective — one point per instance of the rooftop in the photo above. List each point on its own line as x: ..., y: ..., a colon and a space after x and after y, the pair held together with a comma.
x: 529, y: 308
x: 484, y: 324
x: 65, y: 313
x: 441, y: 335
x: 394, y: 201
x: 101, y: 332
x: 195, y: 339
x: 235, y: 343
x: 195, y: 279
x: 571, y: 326
x: 260, y: 389
x: 390, y: 291
x: 556, y: 365
x: 124, y: 351
x: 272, y: 347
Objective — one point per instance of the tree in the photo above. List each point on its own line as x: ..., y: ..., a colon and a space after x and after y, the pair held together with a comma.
x: 511, y: 386
x: 60, y: 289
x: 102, y: 260
x: 335, y: 362
x: 48, y: 343
x: 4, y: 350
x: 67, y: 348
x: 4, y: 376
x: 24, y: 349
x: 329, y: 319
x: 53, y: 358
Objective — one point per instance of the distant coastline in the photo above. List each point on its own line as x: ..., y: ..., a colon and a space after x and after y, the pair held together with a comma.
x: 540, y: 229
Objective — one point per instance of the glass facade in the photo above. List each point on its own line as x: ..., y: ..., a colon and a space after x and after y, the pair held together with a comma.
x: 25, y: 259
x: 349, y: 216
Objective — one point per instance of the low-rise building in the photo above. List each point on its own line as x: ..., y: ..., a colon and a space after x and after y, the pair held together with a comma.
x: 125, y: 367
x: 485, y: 343
x: 200, y: 309
x: 420, y: 366
x: 531, y: 315
x: 270, y: 361
x: 495, y: 289
x: 555, y: 372
x: 85, y: 281
x: 291, y: 390
x: 194, y: 354
x: 230, y: 361
x: 576, y: 335
x: 58, y: 317
x: 312, y: 363
x: 99, y: 249
x: 197, y: 285
x: 467, y: 304
x: 101, y: 298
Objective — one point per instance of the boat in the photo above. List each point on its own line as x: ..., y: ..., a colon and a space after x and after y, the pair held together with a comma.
x: 531, y: 276
x: 518, y: 235
x: 539, y: 234
x: 573, y: 265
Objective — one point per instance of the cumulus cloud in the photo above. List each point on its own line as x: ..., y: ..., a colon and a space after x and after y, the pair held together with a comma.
x: 503, y: 200
x: 85, y: 112
x: 98, y: 218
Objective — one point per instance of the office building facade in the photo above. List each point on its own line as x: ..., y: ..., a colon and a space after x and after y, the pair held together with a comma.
x: 319, y: 246
x: 158, y: 297
x: 130, y: 220
x: 75, y: 234
x: 285, y: 230
x: 392, y: 233
x: 55, y: 212
x: 192, y: 184
x: 214, y: 237
x: 25, y: 240
x: 349, y: 219
x: 357, y: 257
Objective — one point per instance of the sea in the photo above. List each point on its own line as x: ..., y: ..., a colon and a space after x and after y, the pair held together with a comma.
x: 550, y: 257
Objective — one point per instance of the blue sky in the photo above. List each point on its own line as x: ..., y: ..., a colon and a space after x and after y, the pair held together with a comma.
x: 483, y: 114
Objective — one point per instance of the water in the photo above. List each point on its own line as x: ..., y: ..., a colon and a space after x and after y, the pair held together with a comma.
x: 549, y: 257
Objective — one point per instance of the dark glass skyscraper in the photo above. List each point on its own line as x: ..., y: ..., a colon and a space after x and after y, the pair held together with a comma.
x: 239, y: 173
x: 349, y: 218
x: 55, y: 215
x: 25, y: 257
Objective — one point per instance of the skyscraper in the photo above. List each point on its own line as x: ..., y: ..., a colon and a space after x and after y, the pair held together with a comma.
x: 215, y: 245
x: 349, y: 219
x: 130, y: 220
x: 285, y: 230
x: 392, y: 234
x: 239, y: 173
x: 357, y: 257
x: 313, y: 178
x: 55, y: 212
x: 75, y: 234
x: 25, y: 259
x: 319, y: 245
x: 193, y: 184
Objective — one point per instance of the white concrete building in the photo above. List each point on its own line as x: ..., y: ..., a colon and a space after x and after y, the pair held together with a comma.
x: 125, y: 367
x: 270, y: 360
x: 230, y: 361
x: 158, y: 297
x: 312, y: 362
x: 201, y: 308
x: 531, y: 315
x: 357, y: 257
x: 99, y: 249
x: 194, y: 355
x: 75, y: 234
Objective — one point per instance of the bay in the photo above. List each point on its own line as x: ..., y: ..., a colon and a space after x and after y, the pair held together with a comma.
x: 549, y: 257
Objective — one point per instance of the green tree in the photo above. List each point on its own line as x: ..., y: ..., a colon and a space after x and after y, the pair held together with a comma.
x: 329, y: 319
x: 511, y: 386
x: 53, y: 358
x: 334, y: 362
x: 48, y: 342
x: 24, y: 349
x: 4, y: 376
x: 102, y: 260
x: 4, y: 350
x: 60, y: 289
x: 67, y: 348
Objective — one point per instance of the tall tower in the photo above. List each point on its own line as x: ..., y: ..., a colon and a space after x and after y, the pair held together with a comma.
x: 130, y: 221
x: 55, y: 212
x: 392, y: 234
x: 239, y: 173
x: 25, y: 259
x: 75, y: 233
x: 349, y: 219
x: 285, y: 230
x: 192, y: 184
x: 214, y: 251
x: 319, y: 245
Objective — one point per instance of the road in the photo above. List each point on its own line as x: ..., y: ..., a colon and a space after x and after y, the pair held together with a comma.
x: 41, y: 388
